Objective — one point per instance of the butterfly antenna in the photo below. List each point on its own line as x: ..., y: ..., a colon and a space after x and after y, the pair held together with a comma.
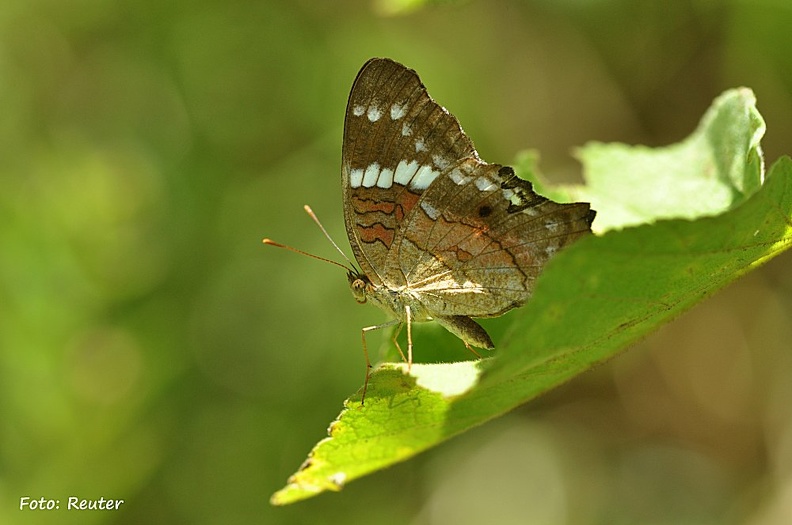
x: 295, y: 250
x: 310, y: 212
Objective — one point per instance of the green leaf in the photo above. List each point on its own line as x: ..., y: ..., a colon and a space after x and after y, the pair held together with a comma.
x: 693, y: 217
x: 714, y: 169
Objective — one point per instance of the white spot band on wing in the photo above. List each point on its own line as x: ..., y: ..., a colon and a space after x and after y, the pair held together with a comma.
x: 484, y: 184
x: 374, y: 113
x: 458, y: 177
x: 397, y: 111
x: 423, y: 178
x: 430, y: 210
x: 405, y: 171
x: 355, y: 178
x: 371, y: 175
x: 385, y: 179
x: 440, y: 162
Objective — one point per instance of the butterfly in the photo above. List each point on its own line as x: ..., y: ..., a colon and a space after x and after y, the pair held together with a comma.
x: 438, y: 234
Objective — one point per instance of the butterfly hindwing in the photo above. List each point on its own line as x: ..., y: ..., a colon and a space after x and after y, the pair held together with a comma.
x: 477, y: 242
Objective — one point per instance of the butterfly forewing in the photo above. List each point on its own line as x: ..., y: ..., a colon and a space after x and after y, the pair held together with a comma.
x: 396, y: 141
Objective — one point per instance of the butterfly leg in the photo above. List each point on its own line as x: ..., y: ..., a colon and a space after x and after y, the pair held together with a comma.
x: 395, y: 340
x: 366, y: 354
x: 471, y: 349
x: 409, y: 336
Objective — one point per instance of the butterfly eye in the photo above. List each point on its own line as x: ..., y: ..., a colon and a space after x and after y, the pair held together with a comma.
x: 358, y: 287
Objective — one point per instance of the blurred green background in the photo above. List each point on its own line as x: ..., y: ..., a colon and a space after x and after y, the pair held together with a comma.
x: 153, y: 350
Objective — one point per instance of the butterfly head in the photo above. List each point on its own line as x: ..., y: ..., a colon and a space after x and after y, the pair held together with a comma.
x: 360, y: 285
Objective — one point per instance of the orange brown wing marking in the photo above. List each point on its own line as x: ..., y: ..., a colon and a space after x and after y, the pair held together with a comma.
x: 376, y: 232
x: 462, y: 255
x: 377, y: 219
x: 468, y: 241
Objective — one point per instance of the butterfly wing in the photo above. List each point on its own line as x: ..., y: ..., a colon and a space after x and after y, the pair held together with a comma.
x: 424, y: 213
x: 396, y: 142
x: 480, y: 237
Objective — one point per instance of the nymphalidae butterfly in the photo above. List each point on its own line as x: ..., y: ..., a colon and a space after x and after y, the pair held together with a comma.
x: 438, y: 234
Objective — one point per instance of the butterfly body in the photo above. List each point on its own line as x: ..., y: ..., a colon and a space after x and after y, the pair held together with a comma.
x: 438, y: 233
x: 397, y: 302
